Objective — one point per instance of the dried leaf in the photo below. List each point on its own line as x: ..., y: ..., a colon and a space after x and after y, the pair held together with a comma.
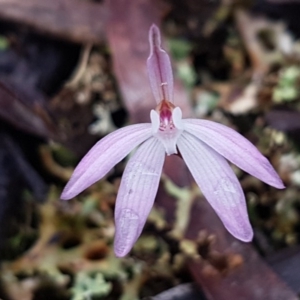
x: 284, y: 120
x: 28, y: 116
x: 74, y: 20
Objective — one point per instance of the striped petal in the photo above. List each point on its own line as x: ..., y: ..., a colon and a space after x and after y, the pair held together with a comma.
x: 104, y: 156
x: 159, y: 68
x: 137, y: 193
x: 218, y: 184
x: 235, y: 148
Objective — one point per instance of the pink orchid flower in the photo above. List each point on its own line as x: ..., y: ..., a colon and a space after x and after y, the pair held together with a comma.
x: 204, y: 145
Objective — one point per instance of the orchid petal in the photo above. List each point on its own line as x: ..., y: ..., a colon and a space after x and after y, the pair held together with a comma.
x: 177, y: 118
x: 218, y: 184
x: 104, y: 156
x: 154, y: 116
x: 159, y: 68
x: 235, y: 148
x: 137, y: 193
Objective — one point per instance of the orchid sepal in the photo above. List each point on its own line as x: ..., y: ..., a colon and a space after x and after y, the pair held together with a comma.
x: 159, y: 68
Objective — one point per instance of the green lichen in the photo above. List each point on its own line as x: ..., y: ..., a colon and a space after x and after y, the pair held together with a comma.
x: 89, y: 285
x: 287, y: 89
x: 179, y: 48
x: 4, y: 44
x: 185, y: 199
x: 186, y: 73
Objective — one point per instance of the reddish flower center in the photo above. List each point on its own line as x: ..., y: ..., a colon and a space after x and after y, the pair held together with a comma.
x: 164, y: 109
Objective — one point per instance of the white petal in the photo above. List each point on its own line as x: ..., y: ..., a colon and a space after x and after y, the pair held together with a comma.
x: 137, y: 193
x: 177, y: 118
x: 154, y: 116
x: 218, y: 184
